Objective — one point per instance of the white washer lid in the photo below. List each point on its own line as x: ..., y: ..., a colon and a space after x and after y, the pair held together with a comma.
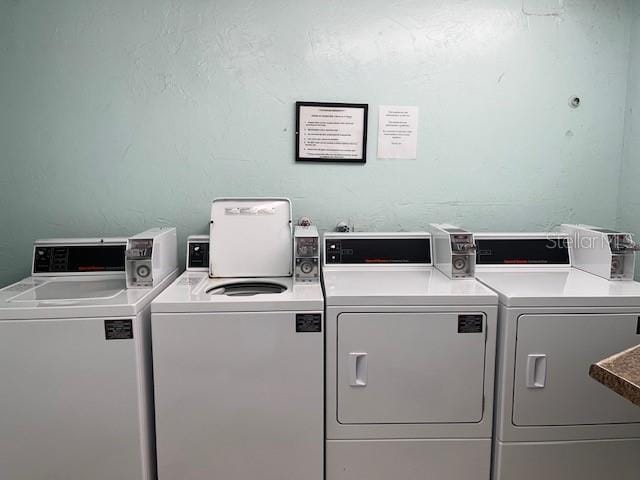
x: 76, y: 296
x: 251, y: 237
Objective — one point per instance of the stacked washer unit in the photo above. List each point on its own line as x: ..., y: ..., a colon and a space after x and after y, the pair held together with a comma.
x: 75, y: 360
x: 409, y: 361
x: 552, y: 420
x: 238, y: 351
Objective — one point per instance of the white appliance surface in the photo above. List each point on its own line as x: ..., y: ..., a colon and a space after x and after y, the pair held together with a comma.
x: 192, y: 288
x: 251, y: 237
x: 417, y: 345
x: 238, y: 389
x: 388, y: 285
x: 74, y: 404
x: 615, y: 459
x: 409, y: 459
x: 400, y: 343
x: 552, y: 419
x: 69, y: 296
x: 559, y: 287
x: 72, y: 290
x: 69, y: 403
x: 409, y: 392
x: 570, y: 343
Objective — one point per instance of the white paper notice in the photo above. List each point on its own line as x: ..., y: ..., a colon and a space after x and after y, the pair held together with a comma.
x: 331, y: 133
x: 398, y: 132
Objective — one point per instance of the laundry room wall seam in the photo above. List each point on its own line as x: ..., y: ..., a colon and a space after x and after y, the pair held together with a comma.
x: 628, y: 218
x: 630, y: 50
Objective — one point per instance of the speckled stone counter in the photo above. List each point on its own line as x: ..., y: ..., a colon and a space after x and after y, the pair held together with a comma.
x: 621, y: 373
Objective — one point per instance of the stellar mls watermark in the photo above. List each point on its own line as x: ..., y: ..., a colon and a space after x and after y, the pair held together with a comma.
x: 591, y: 242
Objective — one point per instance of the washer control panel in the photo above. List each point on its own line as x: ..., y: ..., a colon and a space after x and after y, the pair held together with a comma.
x: 454, y: 250
x: 463, y: 254
x: 623, y: 250
x: 306, y: 254
x: 61, y: 259
x: 139, y: 263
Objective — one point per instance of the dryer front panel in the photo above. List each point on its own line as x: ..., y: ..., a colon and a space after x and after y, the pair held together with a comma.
x: 404, y: 368
x: 552, y: 386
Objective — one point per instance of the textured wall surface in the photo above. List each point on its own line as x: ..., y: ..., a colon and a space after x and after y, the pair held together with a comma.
x: 116, y: 115
x: 628, y: 200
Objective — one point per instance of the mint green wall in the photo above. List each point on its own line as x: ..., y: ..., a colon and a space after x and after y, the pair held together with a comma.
x: 119, y: 115
x: 628, y: 201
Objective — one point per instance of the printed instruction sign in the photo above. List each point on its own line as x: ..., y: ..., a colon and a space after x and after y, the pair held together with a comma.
x: 331, y: 132
x: 398, y: 132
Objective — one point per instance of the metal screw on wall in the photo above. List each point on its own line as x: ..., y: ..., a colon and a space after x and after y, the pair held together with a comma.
x: 574, y: 102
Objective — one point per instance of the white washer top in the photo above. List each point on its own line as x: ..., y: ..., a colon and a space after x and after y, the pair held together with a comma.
x: 557, y: 287
x: 386, y: 285
x: 79, y: 296
x: 195, y: 292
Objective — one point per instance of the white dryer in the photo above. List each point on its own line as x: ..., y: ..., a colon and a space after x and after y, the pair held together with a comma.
x: 75, y: 363
x: 552, y: 420
x: 238, y: 361
x: 409, y: 362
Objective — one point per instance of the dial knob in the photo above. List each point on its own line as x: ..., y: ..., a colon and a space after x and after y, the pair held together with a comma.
x: 143, y: 271
x: 459, y: 263
x: 615, y: 264
x: 306, y: 267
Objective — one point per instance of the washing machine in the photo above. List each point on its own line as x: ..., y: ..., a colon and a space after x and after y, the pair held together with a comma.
x: 410, y: 359
x: 552, y: 420
x: 75, y: 361
x: 238, y: 351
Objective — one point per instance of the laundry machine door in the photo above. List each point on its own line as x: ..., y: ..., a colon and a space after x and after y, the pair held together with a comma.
x: 553, y: 355
x: 410, y: 367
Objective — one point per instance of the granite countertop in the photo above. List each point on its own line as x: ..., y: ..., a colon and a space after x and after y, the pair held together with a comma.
x: 621, y: 373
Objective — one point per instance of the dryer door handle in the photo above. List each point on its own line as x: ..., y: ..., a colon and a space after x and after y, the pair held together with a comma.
x: 358, y: 369
x: 536, y: 370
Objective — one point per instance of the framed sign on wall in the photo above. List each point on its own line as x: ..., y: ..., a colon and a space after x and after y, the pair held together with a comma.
x: 331, y: 132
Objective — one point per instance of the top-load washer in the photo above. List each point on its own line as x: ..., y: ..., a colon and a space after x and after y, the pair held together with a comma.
x: 75, y: 362
x: 552, y: 420
x: 238, y: 358
x: 409, y: 362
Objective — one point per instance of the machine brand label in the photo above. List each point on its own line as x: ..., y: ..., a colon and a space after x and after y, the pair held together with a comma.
x: 308, y: 322
x: 118, y: 329
x: 470, y: 323
x: 524, y: 251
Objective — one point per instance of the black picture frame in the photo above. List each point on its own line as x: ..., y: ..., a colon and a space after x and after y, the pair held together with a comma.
x: 363, y: 106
